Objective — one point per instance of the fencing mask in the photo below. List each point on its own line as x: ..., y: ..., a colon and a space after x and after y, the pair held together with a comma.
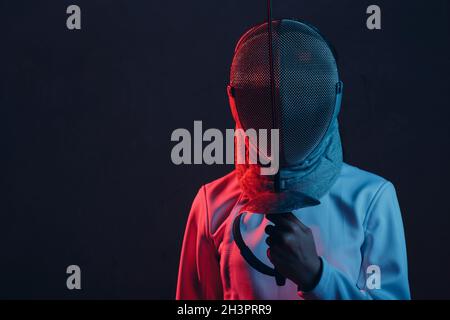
x: 284, y: 76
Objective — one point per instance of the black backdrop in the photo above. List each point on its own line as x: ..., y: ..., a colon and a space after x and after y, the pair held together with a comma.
x: 86, y: 118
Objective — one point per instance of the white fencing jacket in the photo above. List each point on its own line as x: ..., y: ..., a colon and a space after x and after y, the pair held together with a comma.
x: 357, y: 229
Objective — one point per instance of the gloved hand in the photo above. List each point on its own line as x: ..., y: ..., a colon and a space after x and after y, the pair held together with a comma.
x: 292, y: 250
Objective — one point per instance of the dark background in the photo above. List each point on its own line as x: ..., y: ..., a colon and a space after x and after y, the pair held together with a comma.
x: 86, y: 118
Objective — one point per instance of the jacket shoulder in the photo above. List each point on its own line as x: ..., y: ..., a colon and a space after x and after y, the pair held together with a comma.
x: 221, y: 195
x: 360, y: 189
x: 356, y: 176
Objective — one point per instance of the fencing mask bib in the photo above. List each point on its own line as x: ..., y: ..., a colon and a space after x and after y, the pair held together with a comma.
x: 284, y: 76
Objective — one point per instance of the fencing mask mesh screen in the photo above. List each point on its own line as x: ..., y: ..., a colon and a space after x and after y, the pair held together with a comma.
x: 304, y: 76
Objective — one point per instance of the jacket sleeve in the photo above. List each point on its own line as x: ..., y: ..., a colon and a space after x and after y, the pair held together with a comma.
x: 199, y: 273
x: 383, y: 250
